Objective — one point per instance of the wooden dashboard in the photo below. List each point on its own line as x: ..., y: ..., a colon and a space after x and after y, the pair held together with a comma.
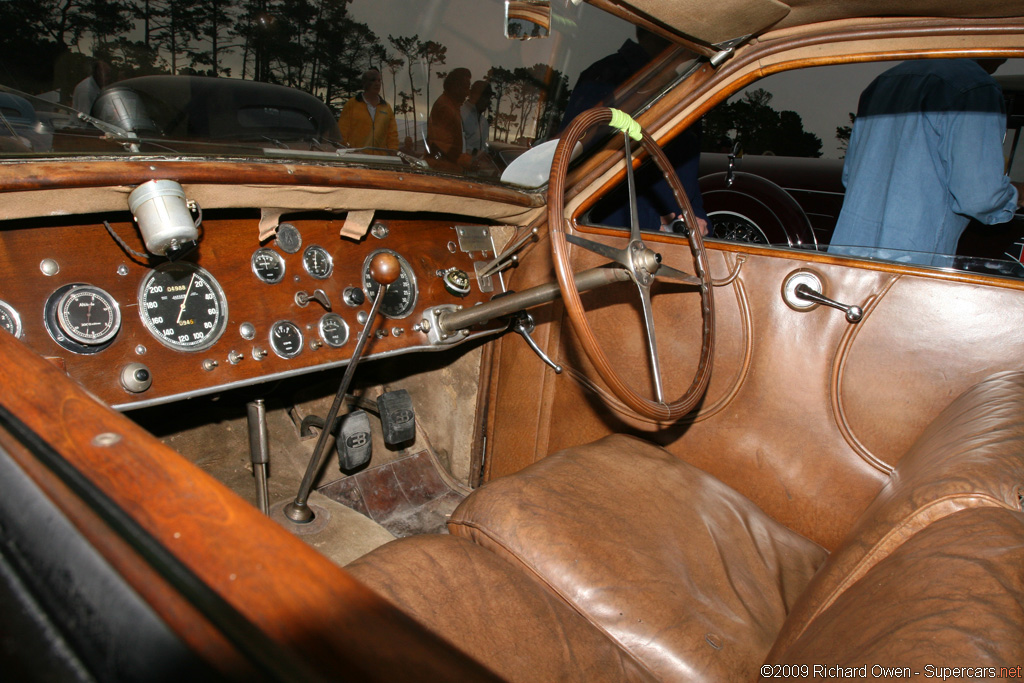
x: 256, y: 326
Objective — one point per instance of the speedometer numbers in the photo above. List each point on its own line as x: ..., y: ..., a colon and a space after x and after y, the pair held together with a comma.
x: 400, y: 296
x: 183, y: 306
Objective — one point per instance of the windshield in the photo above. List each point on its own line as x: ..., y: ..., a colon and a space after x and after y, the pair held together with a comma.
x: 451, y: 86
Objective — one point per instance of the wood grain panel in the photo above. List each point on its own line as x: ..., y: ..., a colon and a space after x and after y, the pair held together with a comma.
x: 315, y: 621
x: 85, y: 253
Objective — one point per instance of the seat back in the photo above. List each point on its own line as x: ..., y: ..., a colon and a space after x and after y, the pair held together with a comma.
x: 971, y: 456
x: 951, y: 596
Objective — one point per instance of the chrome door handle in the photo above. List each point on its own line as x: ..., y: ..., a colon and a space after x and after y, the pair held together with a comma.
x: 854, y: 314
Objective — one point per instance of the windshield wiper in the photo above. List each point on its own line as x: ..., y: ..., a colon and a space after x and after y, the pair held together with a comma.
x: 126, y: 137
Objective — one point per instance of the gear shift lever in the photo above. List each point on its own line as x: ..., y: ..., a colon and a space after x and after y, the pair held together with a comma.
x: 384, y: 269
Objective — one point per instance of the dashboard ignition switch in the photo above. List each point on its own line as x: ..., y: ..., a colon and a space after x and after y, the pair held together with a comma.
x: 456, y: 281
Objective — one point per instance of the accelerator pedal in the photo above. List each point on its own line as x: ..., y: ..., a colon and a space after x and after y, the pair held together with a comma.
x: 353, y: 443
x: 397, y: 417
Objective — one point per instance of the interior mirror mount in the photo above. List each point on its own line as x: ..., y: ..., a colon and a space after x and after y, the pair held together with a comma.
x: 527, y: 19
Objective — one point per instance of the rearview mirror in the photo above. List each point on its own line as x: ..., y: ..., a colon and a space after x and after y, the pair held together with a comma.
x: 527, y: 19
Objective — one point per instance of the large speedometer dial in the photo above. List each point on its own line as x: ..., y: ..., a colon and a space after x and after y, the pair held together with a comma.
x: 400, y: 296
x: 183, y: 306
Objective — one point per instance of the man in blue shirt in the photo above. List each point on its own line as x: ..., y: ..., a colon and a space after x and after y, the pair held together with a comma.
x: 926, y: 156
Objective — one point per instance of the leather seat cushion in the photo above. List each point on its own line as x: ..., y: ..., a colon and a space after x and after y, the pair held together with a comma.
x: 971, y: 456
x: 682, y: 571
x: 951, y: 596
x: 492, y: 611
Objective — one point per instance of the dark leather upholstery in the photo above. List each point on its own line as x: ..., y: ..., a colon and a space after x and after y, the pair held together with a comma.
x: 493, y: 612
x: 694, y: 582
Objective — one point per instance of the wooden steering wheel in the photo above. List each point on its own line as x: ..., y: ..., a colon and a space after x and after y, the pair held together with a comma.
x: 643, y: 266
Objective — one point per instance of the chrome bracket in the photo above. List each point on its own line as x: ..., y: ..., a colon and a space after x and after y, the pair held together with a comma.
x: 430, y: 326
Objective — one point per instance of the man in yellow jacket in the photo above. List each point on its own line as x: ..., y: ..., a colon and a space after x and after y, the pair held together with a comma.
x: 367, y: 120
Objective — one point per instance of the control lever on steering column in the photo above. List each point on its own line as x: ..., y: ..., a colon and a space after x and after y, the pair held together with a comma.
x: 384, y: 269
x: 523, y: 323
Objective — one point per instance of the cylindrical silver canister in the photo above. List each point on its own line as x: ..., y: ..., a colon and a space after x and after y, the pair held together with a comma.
x: 160, y: 209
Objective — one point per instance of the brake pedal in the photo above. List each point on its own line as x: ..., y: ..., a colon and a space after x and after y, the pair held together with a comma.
x: 353, y: 443
x: 397, y: 417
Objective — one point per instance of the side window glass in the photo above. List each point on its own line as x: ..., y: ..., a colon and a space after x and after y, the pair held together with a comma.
x: 771, y: 171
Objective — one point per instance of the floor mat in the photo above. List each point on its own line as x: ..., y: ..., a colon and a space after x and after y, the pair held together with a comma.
x: 406, y: 497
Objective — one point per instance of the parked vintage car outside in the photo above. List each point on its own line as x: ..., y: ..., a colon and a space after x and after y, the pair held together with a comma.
x: 275, y: 409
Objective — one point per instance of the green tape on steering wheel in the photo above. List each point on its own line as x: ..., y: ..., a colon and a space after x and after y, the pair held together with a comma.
x: 626, y: 124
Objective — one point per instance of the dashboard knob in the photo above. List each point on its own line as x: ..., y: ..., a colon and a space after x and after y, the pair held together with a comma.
x: 136, y: 378
x: 385, y: 268
x: 353, y: 296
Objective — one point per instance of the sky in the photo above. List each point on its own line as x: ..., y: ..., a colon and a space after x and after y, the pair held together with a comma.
x: 473, y: 31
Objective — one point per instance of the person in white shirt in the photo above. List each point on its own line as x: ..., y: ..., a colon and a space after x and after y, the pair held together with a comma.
x: 475, y: 127
x: 88, y: 89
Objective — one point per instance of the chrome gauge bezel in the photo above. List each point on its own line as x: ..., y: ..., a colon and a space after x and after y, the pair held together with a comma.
x: 406, y: 275
x: 261, y: 275
x: 11, y: 314
x: 199, y: 281
x: 68, y: 325
x: 322, y: 273
x: 60, y: 327
x: 326, y: 337
x: 275, y: 344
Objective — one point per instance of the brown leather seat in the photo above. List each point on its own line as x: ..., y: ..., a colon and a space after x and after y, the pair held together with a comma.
x: 493, y: 612
x: 691, y: 581
x: 682, y: 571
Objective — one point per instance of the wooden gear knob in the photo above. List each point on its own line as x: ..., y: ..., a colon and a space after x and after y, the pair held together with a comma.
x: 385, y: 268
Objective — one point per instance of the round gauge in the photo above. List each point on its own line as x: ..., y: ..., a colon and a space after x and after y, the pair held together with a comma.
x: 9, y: 319
x: 183, y: 306
x: 268, y: 265
x: 400, y: 297
x: 88, y: 315
x: 289, y: 238
x: 286, y: 339
x: 317, y: 262
x: 333, y: 330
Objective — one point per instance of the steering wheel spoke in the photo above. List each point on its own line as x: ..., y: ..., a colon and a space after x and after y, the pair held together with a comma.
x: 620, y: 256
x: 634, y: 220
x: 652, y: 343
x: 670, y: 273
x: 644, y: 267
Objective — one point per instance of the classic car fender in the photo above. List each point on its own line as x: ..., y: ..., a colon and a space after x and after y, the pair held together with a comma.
x: 747, y: 208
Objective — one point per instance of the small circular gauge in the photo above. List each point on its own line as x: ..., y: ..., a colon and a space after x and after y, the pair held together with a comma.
x: 268, y: 265
x: 317, y: 262
x: 88, y: 315
x: 289, y: 238
x: 9, y: 319
x: 286, y: 339
x: 333, y: 330
x: 183, y: 306
x: 400, y: 297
